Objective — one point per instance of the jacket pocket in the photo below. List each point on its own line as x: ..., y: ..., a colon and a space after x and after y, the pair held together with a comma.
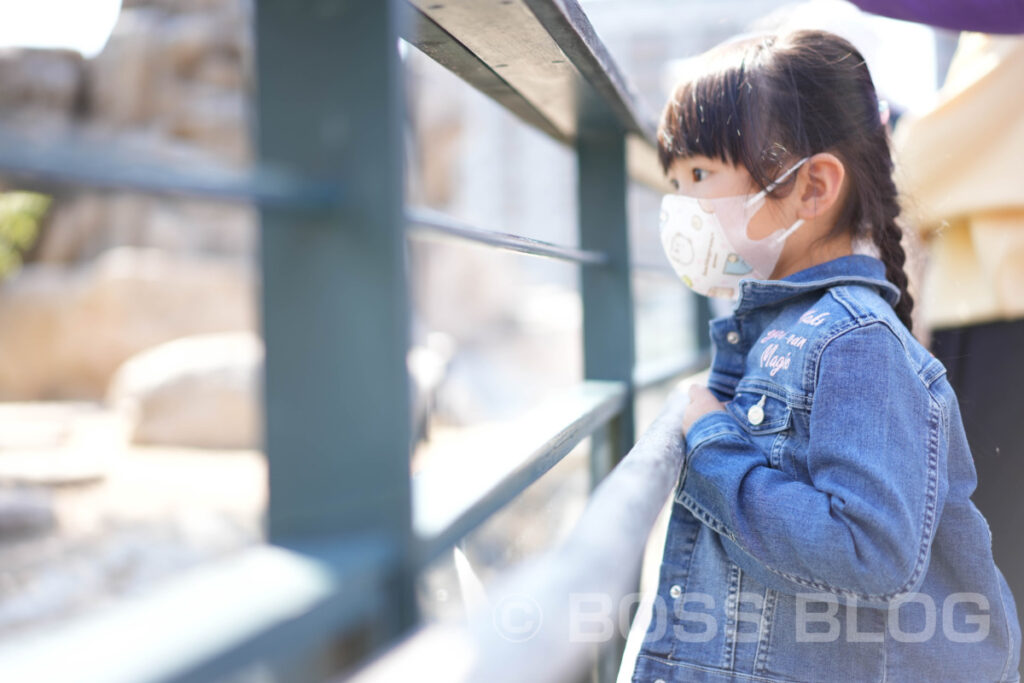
x: 759, y: 412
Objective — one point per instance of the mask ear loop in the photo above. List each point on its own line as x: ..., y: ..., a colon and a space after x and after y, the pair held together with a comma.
x: 761, y: 195
x: 781, y: 237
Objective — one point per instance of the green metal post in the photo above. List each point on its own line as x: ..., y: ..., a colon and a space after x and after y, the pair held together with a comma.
x: 335, y: 300
x: 702, y: 315
x: 608, y: 338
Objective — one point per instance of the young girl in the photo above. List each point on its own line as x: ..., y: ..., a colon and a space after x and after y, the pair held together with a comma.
x: 822, y: 528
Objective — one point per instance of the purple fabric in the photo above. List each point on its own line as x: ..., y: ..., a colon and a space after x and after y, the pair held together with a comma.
x: 987, y: 16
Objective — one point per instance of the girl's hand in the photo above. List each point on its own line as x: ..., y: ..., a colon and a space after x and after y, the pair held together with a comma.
x: 702, y: 402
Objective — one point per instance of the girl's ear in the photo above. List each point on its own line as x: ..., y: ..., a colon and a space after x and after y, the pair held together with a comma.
x: 819, y: 185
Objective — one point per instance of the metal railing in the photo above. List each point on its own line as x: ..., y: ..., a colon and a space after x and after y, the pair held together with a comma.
x: 348, y: 528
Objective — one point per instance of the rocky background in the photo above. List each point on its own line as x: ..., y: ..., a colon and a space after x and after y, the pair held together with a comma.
x: 129, y: 358
x: 113, y: 275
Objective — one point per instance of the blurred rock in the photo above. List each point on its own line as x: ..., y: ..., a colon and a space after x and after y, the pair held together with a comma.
x: 180, y: 68
x: 40, y: 79
x: 53, y: 467
x: 221, y: 71
x: 74, y: 226
x: 186, y: 39
x: 214, y: 118
x: 63, y: 332
x: 190, y: 39
x: 86, y: 225
x: 24, y: 512
x: 122, y: 80
x: 203, y: 99
x: 199, y: 392
x: 56, y: 444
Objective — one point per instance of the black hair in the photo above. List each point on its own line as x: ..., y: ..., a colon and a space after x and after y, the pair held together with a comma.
x: 767, y: 101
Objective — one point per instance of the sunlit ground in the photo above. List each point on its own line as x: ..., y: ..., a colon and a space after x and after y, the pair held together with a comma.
x: 99, y: 518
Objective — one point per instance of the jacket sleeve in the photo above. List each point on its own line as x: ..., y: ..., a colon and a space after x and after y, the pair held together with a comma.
x: 862, y: 528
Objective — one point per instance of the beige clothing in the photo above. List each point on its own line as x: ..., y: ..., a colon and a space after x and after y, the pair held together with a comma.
x: 960, y: 169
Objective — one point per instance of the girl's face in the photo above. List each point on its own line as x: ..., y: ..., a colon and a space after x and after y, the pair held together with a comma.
x: 817, y: 197
x: 706, y: 178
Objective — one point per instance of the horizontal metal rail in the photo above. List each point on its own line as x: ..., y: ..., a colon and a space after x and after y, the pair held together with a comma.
x: 652, y: 374
x: 569, y: 27
x: 545, y: 51
x: 543, y: 62
x: 599, y: 560
x: 447, y: 51
x: 455, y: 497
x: 430, y: 223
x: 78, y: 162
x: 264, y: 604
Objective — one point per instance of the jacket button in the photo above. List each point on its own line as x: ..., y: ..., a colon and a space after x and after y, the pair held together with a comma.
x: 755, y: 414
x: 675, y: 591
x: 733, y: 337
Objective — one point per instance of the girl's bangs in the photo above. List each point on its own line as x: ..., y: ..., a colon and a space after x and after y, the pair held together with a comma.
x: 710, y: 116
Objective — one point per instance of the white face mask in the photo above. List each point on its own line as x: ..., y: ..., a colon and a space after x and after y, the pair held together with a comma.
x: 707, y: 244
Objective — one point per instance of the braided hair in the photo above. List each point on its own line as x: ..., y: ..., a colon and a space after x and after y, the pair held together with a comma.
x: 765, y: 102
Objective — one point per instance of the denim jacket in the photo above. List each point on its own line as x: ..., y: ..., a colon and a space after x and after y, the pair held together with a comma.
x: 822, y: 527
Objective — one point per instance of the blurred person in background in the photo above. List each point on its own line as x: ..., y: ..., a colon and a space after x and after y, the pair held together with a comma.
x: 961, y: 170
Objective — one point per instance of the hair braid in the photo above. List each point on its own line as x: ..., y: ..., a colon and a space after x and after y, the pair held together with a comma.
x: 887, y: 236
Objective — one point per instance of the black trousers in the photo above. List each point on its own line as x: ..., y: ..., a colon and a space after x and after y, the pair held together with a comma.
x: 985, y: 365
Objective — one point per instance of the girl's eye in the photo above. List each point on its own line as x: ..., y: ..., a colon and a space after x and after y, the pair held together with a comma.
x: 674, y: 183
x: 699, y: 174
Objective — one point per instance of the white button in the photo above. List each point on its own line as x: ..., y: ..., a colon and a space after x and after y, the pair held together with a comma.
x: 660, y: 680
x: 675, y: 591
x: 733, y: 337
x: 755, y: 414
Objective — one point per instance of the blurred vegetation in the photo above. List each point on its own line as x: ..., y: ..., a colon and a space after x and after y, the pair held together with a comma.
x: 20, y: 216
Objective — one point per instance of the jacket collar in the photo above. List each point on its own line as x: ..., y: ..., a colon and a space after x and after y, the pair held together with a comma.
x: 854, y: 269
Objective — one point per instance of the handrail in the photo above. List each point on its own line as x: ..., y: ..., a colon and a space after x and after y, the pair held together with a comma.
x: 599, y: 561
x: 568, y: 25
x: 446, y: 50
x: 546, y: 51
x: 99, y: 164
x: 543, y: 62
x: 429, y: 223
x: 453, y: 498
x: 263, y: 603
